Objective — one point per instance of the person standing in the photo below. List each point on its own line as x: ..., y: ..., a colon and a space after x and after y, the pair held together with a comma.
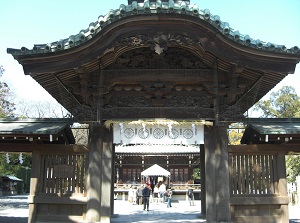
x: 134, y: 195
x: 155, y: 193
x: 191, y: 195
x: 162, y: 190
x: 130, y: 193
x: 146, y: 194
x: 169, y: 197
x: 140, y: 195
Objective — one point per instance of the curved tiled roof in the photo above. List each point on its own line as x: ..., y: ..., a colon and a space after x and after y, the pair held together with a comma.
x: 154, y: 7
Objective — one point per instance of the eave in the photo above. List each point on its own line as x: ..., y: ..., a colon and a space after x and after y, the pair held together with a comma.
x: 75, y: 71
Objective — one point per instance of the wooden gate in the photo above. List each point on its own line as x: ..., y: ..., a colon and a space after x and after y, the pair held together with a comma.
x: 258, y: 190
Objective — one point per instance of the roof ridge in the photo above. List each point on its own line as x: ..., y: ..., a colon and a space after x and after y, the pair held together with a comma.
x: 154, y: 7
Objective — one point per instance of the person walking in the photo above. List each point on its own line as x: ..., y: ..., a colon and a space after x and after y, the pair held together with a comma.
x: 169, y: 197
x: 146, y: 194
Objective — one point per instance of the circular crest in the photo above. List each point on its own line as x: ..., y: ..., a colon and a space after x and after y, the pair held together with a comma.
x: 143, y: 133
x: 158, y: 133
x: 188, y: 134
x: 128, y: 133
x: 173, y: 134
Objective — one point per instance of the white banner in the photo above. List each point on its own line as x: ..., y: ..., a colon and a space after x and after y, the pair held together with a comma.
x: 158, y: 134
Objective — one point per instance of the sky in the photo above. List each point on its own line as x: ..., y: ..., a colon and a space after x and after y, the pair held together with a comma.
x: 25, y: 23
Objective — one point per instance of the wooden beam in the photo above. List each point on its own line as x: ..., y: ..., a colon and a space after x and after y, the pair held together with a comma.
x: 255, y: 148
x: 259, y: 200
x: 56, y: 199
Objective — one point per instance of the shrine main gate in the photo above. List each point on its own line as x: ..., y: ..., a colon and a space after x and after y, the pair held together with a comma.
x: 136, y: 62
x: 73, y: 183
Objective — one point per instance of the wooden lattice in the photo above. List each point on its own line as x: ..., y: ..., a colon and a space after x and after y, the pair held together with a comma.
x: 63, y: 174
x: 253, y: 174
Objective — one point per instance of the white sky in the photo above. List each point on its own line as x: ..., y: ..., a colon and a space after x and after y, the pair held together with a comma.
x: 25, y: 23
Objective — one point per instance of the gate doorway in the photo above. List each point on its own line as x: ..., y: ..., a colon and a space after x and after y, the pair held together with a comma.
x: 153, y: 153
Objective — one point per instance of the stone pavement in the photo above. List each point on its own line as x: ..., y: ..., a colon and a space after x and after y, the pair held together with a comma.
x: 179, y: 212
x: 14, y: 209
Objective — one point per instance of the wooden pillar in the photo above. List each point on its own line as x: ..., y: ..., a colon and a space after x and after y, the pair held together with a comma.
x: 202, y: 172
x: 99, y: 177
x: 113, y: 174
x: 217, y: 174
x: 34, y: 185
x: 94, y: 174
x: 107, y: 171
x: 282, y: 184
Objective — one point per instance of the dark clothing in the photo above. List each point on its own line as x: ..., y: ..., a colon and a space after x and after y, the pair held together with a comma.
x: 191, y: 196
x: 146, y: 203
x: 190, y: 192
x: 146, y: 194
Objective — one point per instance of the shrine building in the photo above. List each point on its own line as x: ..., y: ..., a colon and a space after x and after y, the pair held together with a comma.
x: 147, y: 76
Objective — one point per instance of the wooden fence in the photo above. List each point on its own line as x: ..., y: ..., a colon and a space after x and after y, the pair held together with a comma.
x: 63, y: 174
x: 253, y: 174
x: 257, y: 185
x: 58, y: 186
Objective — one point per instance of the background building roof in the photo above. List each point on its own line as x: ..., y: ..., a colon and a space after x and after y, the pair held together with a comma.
x: 272, y: 130
x: 29, y: 130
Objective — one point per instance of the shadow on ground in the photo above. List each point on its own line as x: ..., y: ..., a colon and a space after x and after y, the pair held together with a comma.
x: 13, y: 219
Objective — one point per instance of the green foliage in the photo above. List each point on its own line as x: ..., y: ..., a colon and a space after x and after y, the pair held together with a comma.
x: 235, y: 133
x: 15, y: 168
x: 284, y: 103
x: 196, y: 173
x: 293, y: 167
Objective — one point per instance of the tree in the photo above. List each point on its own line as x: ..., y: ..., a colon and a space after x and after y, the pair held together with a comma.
x: 293, y: 167
x: 284, y: 103
x: 12, y: 163
x: 33, y: 109
x: 80, y: 132
x: 6, y: 106
x: 235, y: 133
